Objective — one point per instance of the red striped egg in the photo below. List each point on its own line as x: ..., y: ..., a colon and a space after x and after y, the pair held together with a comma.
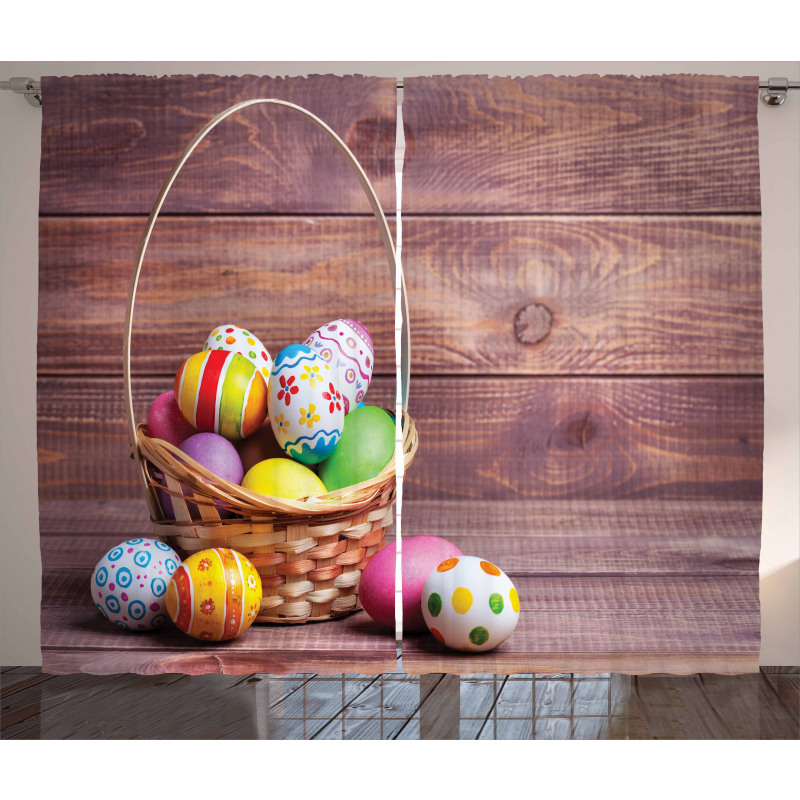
x: 222, y: 392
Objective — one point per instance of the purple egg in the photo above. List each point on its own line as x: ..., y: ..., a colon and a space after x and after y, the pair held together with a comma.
x: 166, y: 421
x: 217, y: 455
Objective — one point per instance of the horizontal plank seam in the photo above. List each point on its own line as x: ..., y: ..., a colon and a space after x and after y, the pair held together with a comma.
x: 713, y: 576
x: 266, y: 655
x: 435, y: 375
x: 391, y: 212
x: 586, y: 214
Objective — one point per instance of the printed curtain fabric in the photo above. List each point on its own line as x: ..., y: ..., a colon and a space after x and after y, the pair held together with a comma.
x: 582, y: 262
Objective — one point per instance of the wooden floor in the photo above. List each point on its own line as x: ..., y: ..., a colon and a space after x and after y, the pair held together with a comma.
x: 399, y: 706
x: 631, y: 587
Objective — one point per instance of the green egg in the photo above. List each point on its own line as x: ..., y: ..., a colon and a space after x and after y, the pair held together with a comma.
x: 366, y: 447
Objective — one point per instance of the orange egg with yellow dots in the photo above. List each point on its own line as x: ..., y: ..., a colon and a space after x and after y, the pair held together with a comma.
x: 214, y: 595
x: 470, y: 604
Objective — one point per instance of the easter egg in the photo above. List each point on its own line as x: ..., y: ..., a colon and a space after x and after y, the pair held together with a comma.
x: 469, y: 604
x: 129, y: 583
x: 346, y: 345
x: 305, y: 405
x: 222, y: 392
x: 214, y: 595
x: 282, y: 477
x: 376, y: 590
x: 259, y: 446
x: 166, y: 421
x: 366, y: 447
x: 217, y: 455
x: 238, y: 340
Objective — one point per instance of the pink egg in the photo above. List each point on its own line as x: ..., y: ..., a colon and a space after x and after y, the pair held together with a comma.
x: 421, y: 555
x: 165, y: 420
x: 217, y: 455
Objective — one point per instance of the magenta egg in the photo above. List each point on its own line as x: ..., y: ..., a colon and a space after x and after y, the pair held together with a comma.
x: 165, y: 420
x: 421, y: 555
x: 217, y: 455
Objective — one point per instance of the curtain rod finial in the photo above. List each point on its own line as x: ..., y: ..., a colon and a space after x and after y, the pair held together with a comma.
x: 31, y: 89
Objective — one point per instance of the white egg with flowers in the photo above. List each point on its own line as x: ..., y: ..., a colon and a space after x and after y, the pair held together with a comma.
x: 305, y: 405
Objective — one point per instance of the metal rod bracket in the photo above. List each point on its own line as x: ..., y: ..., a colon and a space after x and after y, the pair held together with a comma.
x: 31, y: 89
x: 775, y: 91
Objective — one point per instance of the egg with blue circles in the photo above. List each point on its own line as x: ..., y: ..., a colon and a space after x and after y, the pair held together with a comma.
x: 470, y: 604
x: 305, y: 405
x: 346, y: 345
x: 129, y: 583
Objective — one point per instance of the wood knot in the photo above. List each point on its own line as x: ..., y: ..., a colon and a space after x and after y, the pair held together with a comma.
x: 532, y: 323
x: 575, y: 432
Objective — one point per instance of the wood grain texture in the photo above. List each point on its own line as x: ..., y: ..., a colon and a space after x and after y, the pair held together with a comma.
x: 440, y: 709
x: 623, y: 624
x: 587, y: 438
x: 91, y: 519
x: 281, y: 277
x: 584, y: 295
x: 538, y: 438
x: 83, y: 445
x: 703, y: 706
x: 66, y: 660
x: 136, y: 707
x: 75, y: 638
x: 666, y: 708
x: 108, y: 142
x: 588, y: 144
x: 528, y: 538
x: 590, y: 537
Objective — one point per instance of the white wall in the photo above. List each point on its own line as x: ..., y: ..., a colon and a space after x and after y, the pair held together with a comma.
x: 779, y: 145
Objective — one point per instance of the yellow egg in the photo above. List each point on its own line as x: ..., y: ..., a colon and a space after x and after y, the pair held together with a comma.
x: 214, y: 595
x: 282, y: 477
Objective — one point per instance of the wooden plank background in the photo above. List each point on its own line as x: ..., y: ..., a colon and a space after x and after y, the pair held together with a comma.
x: 584, y: 272
x: 221, y: 253
x: 590, y: 144
x: 108, y: 141
x: 266, y: 227
x: 582, y: 257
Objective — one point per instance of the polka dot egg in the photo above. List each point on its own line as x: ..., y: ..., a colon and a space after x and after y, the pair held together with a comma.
x: 470, y: 604
x: 214, y: 595
x: 238, y: 340
x: 129, y: 583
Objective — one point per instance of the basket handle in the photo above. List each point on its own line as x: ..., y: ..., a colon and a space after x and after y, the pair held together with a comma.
x: 386, y: 237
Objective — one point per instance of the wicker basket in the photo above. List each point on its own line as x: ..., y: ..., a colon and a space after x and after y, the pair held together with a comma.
x: 309, y: 553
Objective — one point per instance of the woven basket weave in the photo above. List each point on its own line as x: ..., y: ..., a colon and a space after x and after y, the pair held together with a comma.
x: 309, y: 553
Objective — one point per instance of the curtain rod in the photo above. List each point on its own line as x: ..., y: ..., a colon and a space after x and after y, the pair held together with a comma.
x: 774, y: 93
